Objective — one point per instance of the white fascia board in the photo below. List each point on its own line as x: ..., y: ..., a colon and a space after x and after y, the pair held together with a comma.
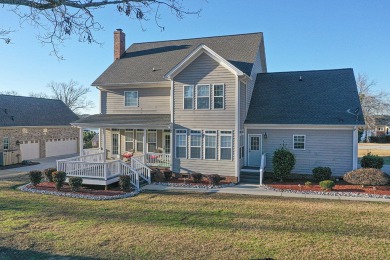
x: 196, y: 53
x: 164, y: 83
x: 314, y: 127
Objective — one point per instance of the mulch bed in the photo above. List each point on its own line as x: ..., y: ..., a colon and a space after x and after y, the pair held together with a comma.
x: 339, y: 187
x: 85, y: 190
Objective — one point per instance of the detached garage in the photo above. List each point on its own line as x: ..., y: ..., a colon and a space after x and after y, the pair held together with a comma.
x: 35, y: 128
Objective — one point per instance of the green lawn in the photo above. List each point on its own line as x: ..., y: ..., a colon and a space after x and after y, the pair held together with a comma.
x: 190, y: 225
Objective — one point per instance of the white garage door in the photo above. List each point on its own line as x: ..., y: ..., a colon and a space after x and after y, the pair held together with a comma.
x: 55, y: 147
x: 29, y: 150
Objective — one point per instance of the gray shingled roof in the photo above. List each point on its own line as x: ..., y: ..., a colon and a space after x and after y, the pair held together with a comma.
x: 137, y: 63
x: 382, y: 120
x: 322, y: 97
x: 29, y: 111
x: 117, y: 120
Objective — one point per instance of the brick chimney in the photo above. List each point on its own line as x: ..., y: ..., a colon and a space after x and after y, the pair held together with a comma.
x: 119, y: 43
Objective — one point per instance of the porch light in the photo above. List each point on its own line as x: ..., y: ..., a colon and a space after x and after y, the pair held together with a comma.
x: 265, y: 135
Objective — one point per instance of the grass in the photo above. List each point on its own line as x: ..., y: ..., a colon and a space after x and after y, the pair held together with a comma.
x: 190, y: 226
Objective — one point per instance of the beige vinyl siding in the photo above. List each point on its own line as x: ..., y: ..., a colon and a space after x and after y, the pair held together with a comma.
x: 326, y: 148
x: 258, y: 67
x: 108, y: 142
x: 152, y: 100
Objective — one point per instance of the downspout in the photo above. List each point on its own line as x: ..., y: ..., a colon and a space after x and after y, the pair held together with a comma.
x: 172, y: 125
x: 354, y: 148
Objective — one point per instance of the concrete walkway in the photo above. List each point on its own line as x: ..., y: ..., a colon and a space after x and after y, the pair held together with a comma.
x: 250, y: 189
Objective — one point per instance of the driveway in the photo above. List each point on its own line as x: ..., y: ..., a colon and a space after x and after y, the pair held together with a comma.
x: 44, y: 163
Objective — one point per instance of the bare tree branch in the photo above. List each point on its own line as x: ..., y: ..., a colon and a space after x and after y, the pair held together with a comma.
x: 9, y: 92
x: 38, y: 95
x: 4, y: 35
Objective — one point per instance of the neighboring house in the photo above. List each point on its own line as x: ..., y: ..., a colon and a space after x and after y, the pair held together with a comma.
x: 382, y: 127
x: 208, y: 105
x: 32, y: 128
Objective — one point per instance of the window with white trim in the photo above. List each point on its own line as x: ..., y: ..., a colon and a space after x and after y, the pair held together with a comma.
x: 219, y: 96
x: 5, y: 143
x: 181, y: 143
x: 152, y: 140
x: 196, y: 144
x: 299, y: 142
x: 129, y: 140
x: 210, y: 144
x: 188, y: 97
x: 381, y: 129
x: 131, y: 98
x: 203, y: 96
x: 225, y: 145
x: 242, y: 144
x: 140, y: 140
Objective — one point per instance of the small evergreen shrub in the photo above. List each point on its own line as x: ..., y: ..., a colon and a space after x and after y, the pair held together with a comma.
x: 48, y: 174
x: 321, y: 173
x: 124, y: 182
x: 327, y: 185
x: 215, y: 179
x: 75, y: 183
x: 367, y: 176
x: 59, y: 178
x: 283, y: 162
x: 372, y: 161
x: 168, y: 175
x: 308, y: 183
x: 35, y: 177
x: 196, y: 177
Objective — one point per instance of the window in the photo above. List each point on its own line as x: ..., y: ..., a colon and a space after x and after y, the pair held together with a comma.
x: 181, y: 143
x: 242, y: 144
x: 115, y: 143
x: 140, y: 140
x: 210, y: 143
x: 5, y: 143
x: 152, y: 140
x: 218, y: 96
x: 203, y: 96
x: 131, y: 98
x: 381, y: 129
x: 196, y: 144
x: 188, y: 97
x: 225, y: 140
x: 129, y: 140
x: 299, y: 142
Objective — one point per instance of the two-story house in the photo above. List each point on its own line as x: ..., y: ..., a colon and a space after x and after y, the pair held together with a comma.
x: 208, y: 105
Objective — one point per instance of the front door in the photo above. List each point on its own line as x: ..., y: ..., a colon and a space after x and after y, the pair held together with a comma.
x: 115, y: 145
x: 167, y: 142
x: 254, y: 150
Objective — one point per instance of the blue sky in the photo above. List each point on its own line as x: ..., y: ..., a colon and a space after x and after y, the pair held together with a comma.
x: 299, y: 35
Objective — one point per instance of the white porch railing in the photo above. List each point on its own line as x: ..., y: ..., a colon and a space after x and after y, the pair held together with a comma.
x: 263, y: 164
x: 158, y: 159
x: 137, y: 163
x: 91, y: 151
x: 125, y: 169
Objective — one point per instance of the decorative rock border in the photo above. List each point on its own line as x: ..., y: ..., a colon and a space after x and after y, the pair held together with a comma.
x: 331, y: 193
x: 196, y: 186
x: 78, y: 195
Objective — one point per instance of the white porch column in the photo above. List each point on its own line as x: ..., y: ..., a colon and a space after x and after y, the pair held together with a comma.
x: 81, y: 141
x: 354, y: 148
x: 104, y: 144
x: 144, y: 141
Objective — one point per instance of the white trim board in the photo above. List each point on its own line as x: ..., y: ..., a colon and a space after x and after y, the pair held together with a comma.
x: 287, y: 127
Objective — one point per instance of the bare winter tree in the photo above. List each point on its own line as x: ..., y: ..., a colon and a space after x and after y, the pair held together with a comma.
x: 9, y: 92
x: 57, y: 20
x: 72, y: 94
x: 38, y: 95
x: 373, y: 103
x: 4, y: 35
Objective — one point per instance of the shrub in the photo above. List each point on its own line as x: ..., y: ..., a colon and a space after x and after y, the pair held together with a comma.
x: 327, y: 185
x: 59, y: 178
x: 366, y: 176
x: 321, y: 173
x: 215, y: 179
x: 372, y: 161
x: 124, y: 182
x: 167, y: 175
x: 196, y: 177
x: 283, y: 161
x: 75, y: 183
x: 48, y: 174
x: 35, y: 177
x: 308, y: 183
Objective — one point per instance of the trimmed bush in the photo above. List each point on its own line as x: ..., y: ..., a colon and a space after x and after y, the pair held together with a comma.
x: 321, y: 173
x: 59, y: 178
x: 308, y: 183
x: 215, y: 179
x: 283, y: 162
x: 167, y: 175
x: 48, y: 174
x: 372, y: 161
x: 327, y: 185
x: 366, y: 176
x: 124, y: 182
x: 75, y: 183
x: 35, y: 177
x: 196, y: 177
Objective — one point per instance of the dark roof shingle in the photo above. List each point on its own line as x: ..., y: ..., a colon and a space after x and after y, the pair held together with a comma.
x: 30, y: 111
x: 322, y: 97
x: 137, y: 63
x: 116, y: 120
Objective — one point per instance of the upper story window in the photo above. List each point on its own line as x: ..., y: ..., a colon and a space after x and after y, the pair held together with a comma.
x: 131, y: 98
x: 188, y: 97
x: 225, y: 145
x: 299, y: 142
x: 203, y: 96
x: 5, y: 143
x: 218, y: 96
